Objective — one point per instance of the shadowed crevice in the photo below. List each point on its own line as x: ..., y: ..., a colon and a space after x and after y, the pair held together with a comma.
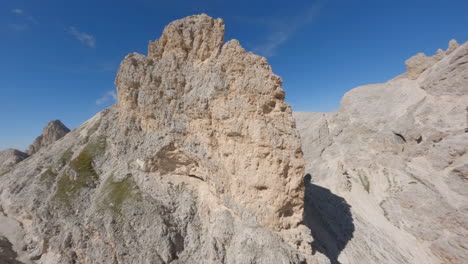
x: 329, y: 218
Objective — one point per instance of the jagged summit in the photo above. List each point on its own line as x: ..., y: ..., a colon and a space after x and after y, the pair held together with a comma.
x: 222, y: 109
x: 9, y: 158
x: 420, y: 62
x: 53, y: 131
x: 197, y: 37
x: 198, y: 161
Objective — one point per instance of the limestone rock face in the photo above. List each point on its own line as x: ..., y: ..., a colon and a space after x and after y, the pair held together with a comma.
x: 198, y: 162
x: 396, y: 156
x: 418, y: 64
x: 9, y: 158
x: 223, y: 111
x: 52, y: 132
x: 453, y: 45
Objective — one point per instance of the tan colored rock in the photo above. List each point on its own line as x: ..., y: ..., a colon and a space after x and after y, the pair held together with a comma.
x: 440, y: 54
x: 224, y: 111
x: 198, y: 162
x: 418, y: 64
x: 52, y: 132
x: 453, y: 45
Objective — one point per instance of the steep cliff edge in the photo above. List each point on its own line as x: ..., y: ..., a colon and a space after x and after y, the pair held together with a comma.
x: 396, y: 155
x: 198, y: 162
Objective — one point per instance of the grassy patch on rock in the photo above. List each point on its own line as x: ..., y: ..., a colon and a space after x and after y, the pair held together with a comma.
x: 114, y: 194
x: 4, y: 172
x: 85, y: 176
x: 97, y: 146
x: 48, y: 176
x: 66, y: 157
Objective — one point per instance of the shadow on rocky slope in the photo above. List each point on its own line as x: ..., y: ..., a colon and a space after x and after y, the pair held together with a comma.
x: 329, y: 218
x: 7, y: 254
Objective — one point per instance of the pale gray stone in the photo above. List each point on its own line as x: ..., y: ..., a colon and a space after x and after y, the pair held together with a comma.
x: 198, y: 162
x: 52, y: 132
x: 395, y: 157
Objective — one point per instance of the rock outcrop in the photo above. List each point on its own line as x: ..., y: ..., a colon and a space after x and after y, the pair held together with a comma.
x: 420, y: 62
x: 198, y: 162
x: 223, y: 112
x: 9, y: 158
x: 392, y: 162
x: 52, y: 132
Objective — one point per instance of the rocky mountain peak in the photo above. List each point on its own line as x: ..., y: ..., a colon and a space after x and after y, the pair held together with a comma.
x: 421, y: 62
x: 453, y: 45
x: 53, y: 131
x: 10, y: 157
x: 195, y: 37
x: 223, y: 116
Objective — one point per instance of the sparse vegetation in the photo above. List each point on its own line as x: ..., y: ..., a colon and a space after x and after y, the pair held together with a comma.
x: 48, y: 176
x: 97, y: 146
x: 86, y: 177
x: 66, y: 157
x: 4, y: 172
x: 68, y: 188
x: 115, y: 193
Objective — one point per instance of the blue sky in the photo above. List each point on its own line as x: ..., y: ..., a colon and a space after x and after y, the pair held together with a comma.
x: 59, y: 58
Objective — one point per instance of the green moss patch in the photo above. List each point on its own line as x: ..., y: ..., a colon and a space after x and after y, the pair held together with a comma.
x: 97, y: 146
x: 66, y: 157
x: 116, y: 193
x: 68, y: 188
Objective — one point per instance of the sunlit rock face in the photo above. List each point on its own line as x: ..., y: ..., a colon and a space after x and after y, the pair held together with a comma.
x: 395, y: 155
x: 223, y: 112
x: 198, y: 162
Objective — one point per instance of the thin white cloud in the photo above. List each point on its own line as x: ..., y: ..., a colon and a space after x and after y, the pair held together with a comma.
x: 282, y: 29
x: 23, y: 20
x: 109, y: 96
x: 17, y: 11
x: 85, y: 38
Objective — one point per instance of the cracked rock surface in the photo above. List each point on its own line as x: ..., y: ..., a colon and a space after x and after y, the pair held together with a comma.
x: 198, y: 162
x: 396, y: 155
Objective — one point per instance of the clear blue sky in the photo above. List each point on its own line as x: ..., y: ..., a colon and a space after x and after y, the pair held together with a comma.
x: 59, y: 58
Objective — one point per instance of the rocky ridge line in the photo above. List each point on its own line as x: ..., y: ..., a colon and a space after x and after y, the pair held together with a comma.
x: 393, y: 160
x: 198, y: 162
x: 53, y: 131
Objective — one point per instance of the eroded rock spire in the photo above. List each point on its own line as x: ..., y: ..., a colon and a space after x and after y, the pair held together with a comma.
x: 223, y: 110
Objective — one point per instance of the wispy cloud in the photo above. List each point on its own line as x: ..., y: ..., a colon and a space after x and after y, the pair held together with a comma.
x: 282, y: 29
x: 23, y: 20
x: 109, y: 96
x: 17, y: 11
x: 85, y: 38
